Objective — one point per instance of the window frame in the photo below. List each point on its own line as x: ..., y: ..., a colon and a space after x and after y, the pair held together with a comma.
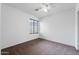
x: 34, y: 26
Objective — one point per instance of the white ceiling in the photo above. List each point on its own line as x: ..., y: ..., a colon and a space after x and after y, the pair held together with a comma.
x: 30, y: 8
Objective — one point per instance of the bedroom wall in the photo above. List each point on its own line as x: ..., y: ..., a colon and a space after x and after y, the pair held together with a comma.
x: 59, y: 27
x: 0, y: 28
x: 15, y: 26
x: 77, y: 26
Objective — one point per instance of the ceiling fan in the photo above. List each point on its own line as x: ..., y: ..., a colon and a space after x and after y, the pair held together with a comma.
x: 45, y: 7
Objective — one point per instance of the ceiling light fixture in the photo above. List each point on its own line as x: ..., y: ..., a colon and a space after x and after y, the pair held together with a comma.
x: 45, y: 10
x: 45, y: 7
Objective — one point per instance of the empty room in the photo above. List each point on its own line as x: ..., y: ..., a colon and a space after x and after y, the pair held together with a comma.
x: 39, y: 28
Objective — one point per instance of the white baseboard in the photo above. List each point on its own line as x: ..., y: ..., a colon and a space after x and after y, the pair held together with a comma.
x: 77, y: 48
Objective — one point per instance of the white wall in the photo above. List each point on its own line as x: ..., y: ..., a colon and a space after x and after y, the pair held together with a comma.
x: 0, y: 27
x: 78, y: 30
x: 77, y: 25
x: 15, y: 27
x: 60, y: 27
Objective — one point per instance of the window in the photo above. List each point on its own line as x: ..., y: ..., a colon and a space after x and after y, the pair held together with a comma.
x: 34, y: 24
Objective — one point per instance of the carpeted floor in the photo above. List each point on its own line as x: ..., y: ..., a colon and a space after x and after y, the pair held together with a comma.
x: 40, y: 47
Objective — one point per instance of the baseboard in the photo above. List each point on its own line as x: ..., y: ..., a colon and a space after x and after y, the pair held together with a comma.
x: 60, y: 43
x: 18, y: 43
x: 76, y: 48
